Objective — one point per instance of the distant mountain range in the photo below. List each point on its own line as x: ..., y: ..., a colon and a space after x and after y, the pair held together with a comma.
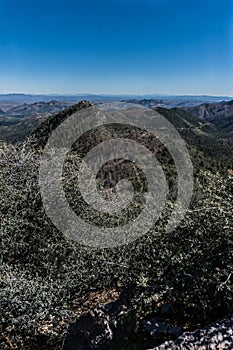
x: 30, y: 98
x: 208, y: 120
x: 24, y: 110
x: 206, y: 141
x: 18, y: 122
x: 176, y: 101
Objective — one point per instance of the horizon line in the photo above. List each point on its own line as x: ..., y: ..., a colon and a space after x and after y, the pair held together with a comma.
x: 112, y: 94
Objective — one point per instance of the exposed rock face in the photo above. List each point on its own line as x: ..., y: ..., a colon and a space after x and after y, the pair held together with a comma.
x: 218, y: 335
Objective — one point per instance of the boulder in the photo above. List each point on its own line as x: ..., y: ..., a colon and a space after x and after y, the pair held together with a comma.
x: 154, y: 328
x: 218, y: 335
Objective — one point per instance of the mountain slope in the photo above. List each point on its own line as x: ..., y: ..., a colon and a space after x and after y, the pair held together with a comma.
x: 183, y: 271
x: 213, y: 110
x: 18, y: 122
x: 218, y: 114
x: 41, y: 133
x: 38, y: 108
x: 204, y: 139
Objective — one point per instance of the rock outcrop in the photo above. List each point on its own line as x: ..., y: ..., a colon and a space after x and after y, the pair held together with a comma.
x: 218, y: 335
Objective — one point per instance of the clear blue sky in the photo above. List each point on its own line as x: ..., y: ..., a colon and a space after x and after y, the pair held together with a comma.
x: 117, y: 46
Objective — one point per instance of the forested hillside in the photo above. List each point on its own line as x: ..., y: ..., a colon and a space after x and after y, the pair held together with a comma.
x: 48, y: 280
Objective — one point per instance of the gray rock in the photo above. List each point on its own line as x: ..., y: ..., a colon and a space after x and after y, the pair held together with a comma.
x: 217, y: 336
x: 154, y: 328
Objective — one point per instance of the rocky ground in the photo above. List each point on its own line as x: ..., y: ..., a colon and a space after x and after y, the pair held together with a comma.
x: 100, y: 328
x: 218, y: 335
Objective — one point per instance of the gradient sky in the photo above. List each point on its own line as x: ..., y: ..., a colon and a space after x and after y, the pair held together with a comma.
x: 117, y: 46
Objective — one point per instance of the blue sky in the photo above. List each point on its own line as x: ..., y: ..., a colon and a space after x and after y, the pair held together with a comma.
x: 117, y: 46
